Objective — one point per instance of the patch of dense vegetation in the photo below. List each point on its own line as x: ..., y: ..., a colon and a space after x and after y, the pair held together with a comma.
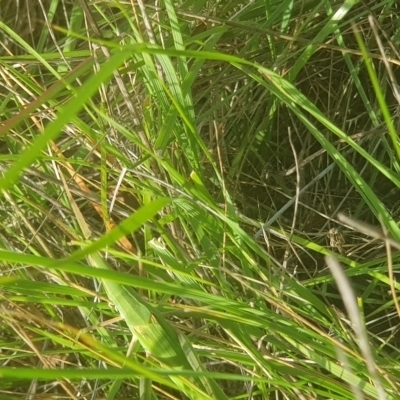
x: 199, y: 199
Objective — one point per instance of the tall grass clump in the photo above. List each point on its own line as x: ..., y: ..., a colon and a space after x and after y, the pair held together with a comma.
x: 199, y: 199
